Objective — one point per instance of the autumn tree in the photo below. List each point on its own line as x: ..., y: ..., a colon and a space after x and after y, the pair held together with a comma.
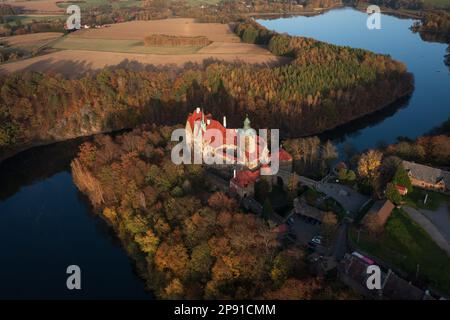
x: 393, y: 194
x: 294, y: 289
x: 220, y: 201
x: 173, y: 257
x: 369, y: 163
x: 174, y: 290
x: 401, y: 177
x: 148, y: 242
x: 372, y: 224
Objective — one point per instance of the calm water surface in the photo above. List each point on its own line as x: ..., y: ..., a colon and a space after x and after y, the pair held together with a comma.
x: 46, y: 224
x: 428, y: 106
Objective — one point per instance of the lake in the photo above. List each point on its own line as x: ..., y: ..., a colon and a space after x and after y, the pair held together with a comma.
x: 47, y: 225
x: 428, y: 106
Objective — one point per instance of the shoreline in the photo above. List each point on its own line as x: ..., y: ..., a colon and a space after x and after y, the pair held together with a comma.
x: 14, y: 152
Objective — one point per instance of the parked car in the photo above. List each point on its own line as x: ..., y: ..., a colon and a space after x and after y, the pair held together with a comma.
x: 290, y: 221
x: 317, y: 240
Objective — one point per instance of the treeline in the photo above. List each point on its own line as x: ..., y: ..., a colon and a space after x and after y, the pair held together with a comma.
x: 186, y: 241
x: 7, y: 10
x: 393, y: 4
x: 324, y: 86
x: 16, y: 27
x: 312, y: 158
x: 8, y: 53
x: 434, y: 26
x: 175, y: 41
x: 431, y: 150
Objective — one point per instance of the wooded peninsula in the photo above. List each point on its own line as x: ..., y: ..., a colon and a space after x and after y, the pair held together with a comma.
x: 322, y: 87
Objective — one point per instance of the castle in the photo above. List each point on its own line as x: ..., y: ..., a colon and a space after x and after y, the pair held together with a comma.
x: 250, y: 157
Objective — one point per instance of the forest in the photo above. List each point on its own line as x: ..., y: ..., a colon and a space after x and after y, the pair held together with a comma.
x: 434, y: 26
x: 324, y: 86
x: 432, y: 150
x: 187, y: 241
x: 223, y: 12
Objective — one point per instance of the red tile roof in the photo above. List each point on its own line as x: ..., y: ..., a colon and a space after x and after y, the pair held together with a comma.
x: 283, y: 155
x: 246, y: 177
x: 282, y: 228
x: 401, y: 189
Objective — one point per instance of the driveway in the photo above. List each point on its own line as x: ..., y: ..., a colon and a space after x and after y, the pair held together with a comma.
x: 441, y: 219
x: 304, y: 231
x: 340, y: 246
x: 348, y: 198
x: 429, y: 227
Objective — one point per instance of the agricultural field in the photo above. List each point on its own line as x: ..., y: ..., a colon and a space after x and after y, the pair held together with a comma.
x: 47, y: 6
x: 126, y: 46
x: 31, y: 41
x: 50, y: 6
x: 123, y: 44
x: 72, y: 63
x: 138, y: 30
x: 96, y: 3
x: 30, y: 18
x: 200, y: 2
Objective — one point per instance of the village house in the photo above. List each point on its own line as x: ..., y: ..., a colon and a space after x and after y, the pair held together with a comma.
x: 427, y: 177
x: 401, y: 189
x: 382, y: 210
x: 352, y: 270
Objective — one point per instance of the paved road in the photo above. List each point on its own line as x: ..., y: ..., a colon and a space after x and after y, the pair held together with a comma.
x: 441, y: 219
x: 346, y: 196
x: 303, y: 230
x: 429, y: 227
x: 340, y: 246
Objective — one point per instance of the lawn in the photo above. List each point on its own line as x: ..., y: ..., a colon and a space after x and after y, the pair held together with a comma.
x: 415, y: 199
x: 404, y: 244
x: 125, y: 46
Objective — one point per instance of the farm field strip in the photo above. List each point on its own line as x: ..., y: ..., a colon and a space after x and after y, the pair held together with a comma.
x: 31, y: 41
x: 72, y: 63
x: 37, y: 5
x: 126, y: 46
x: 138, y: 30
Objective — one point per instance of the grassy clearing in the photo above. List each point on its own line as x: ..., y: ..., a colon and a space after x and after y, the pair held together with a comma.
x: 124, y: 46
x: 415, y: 199
x: 404, y: 244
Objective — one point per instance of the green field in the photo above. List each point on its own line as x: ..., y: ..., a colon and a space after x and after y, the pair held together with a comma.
x: 26, y: 19
x: 434, y: 200
x: 95, y: 3
x: 125, y: 46
x: 404, y: 244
